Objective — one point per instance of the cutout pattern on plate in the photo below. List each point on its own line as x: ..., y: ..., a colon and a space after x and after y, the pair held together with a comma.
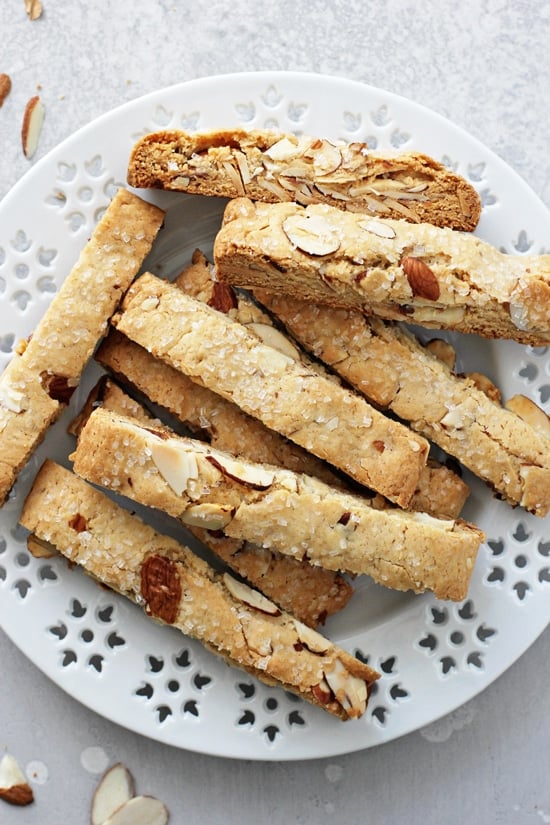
x: 102, y: 649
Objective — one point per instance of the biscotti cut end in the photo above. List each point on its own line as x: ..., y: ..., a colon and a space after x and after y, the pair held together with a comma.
x: 273, y: 167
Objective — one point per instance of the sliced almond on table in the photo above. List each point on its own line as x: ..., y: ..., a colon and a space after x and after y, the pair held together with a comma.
x: 115, y: 788
x: 33, y: 9
x: 5, y: 87
x: 14, y: 787
x: 141, y: 810
x: 32, y: 125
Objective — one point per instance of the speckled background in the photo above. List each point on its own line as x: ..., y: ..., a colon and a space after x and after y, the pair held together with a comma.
x: 484, y: 64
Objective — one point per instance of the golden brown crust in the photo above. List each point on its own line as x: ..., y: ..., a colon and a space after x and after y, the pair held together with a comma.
x: 176, y: 587
x: 332, y: 422
x: 271, y: 167
x: 422, y: 274
x: 293, y: 513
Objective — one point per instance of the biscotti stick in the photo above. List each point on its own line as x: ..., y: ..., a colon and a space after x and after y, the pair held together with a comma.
x: 396, y: 372
x: 60, y: 346
x: 330, y: 421
x: 310, y: 593
x: 439, y: 492
x: 209, y: 416
x: 271, y: 166
x: 26, y: 412
x: 78, y: 315
x: 293, y: 513
x: 177, y: 588
x: 393, y: 269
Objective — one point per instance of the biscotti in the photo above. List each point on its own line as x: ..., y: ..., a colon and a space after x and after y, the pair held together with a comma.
x: 60, y: 346
x: 309, y: 593
x: 204, y: 413
x: 419, y: 273
x: 270, y: 166
x: 177, y: 588
x: 293, y: 513
x: 330, y: 421
x: 395, y: 371
x: 439, y: 492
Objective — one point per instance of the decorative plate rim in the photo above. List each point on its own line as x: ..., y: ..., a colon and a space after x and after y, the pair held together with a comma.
x: 315, y: 735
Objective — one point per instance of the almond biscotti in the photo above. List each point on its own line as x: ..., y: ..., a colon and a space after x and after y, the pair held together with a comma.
x: 310, y: 593
x: 270, y: 166
x: 439, y: 492
x: 205, y: 413
x: 293, y: 513
x: 330, y: 421
x: 177, y: 588
x: 39, y: 381
x: 422, y: 274
x: 395, y: 371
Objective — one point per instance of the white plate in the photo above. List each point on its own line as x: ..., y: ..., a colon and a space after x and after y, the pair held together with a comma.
x: 433, y: 656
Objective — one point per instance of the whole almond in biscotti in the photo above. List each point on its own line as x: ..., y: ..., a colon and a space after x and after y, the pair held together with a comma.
x: 431, y: 276
x: 421, y: 279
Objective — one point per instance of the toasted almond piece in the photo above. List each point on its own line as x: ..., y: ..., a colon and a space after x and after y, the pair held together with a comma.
x: 248, y: 474
x: 485, y: 384
x: 383, y: 230
x: 349, y: 691
x: 530, y: 413
x: 5, y: 87
x: 311, y: 234
x: 140, y: 810
x: 175, y: 465
x: 315, y: 642
x: 115, y: 787
x: 284, y: 149
x: 253, y: 598
x: 14, y: 787
x: 322, y: 692
x: 33, y: 9
x: 442, y: 350
x: 274, y: 338
x: 327, y: 158
x: 40, y: 549
x: 207, y: 516
x: 422, y: 280
x: 32, y: 125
